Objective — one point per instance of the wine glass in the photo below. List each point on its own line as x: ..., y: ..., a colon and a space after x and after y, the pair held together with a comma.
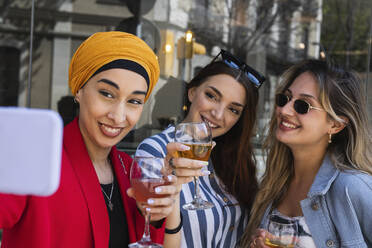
x: 198, y: 136
x: 146, y: 174
x: 283, y: 233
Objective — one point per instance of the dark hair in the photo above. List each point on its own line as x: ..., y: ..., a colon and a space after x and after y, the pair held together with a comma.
x: 233, y: 157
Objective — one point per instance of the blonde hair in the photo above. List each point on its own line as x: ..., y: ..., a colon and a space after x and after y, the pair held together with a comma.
x: 340, y: 94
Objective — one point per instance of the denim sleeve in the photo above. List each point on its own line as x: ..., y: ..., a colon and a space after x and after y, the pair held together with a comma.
x: 350, y: 203
x: 11, y: 209
x: 360, y: 195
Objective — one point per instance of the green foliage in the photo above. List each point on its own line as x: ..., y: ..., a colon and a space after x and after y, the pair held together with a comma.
x: 345, y: 31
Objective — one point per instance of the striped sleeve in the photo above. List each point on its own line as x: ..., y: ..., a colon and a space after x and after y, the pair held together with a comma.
x: 155, y: 146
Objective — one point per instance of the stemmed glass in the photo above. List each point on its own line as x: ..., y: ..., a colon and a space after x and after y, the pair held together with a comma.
x: 283, y: 233
x: 198, y: 136
x: 146, y: 174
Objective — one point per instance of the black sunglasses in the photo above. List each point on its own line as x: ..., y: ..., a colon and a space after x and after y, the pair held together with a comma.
x: 254, y: 76
x: 299, y: 105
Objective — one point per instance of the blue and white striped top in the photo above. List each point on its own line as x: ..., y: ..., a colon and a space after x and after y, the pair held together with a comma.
x: 221, y: 226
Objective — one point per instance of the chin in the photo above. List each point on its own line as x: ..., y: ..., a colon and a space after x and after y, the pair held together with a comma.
x: 109, y: 142
x: 107, y: 145
x: 281, y: 139
x: 217, y: 133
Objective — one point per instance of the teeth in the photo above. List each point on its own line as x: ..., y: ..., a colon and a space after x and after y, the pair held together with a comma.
x: 286, y: 124
x: 211, y: 124
x: 111, y: 130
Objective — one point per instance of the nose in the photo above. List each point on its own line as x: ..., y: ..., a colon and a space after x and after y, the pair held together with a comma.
x: 117, y: 113
x: 218, y: 112
x: 288, y: 108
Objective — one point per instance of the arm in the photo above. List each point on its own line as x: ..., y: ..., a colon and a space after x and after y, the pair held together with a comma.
x: 349, y: 202
x: 161, y: 206
x: 152, y: 147
x: 360, y: 194
x: 183, y: 168
x: 172, y: 222
x: 11, y: 209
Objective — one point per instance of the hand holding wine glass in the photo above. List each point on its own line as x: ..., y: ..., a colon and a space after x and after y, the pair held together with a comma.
x: 282, y: 233
x: 198, y: 137
x: 151, y: 186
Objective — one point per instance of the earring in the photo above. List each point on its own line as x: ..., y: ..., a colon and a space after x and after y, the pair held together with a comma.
x: 75, y: 100
x: 329, y: 138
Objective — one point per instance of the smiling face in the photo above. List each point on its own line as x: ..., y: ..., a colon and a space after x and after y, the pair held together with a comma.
x: 219, y: 101
x: 111, y: 103
x: 310, y: 129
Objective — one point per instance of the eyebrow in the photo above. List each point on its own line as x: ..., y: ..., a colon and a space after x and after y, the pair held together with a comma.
x: 216, y: 91
x: 303, y: 95
x: 220, y: 95
x: 109, y: 82
x: 139, y: 92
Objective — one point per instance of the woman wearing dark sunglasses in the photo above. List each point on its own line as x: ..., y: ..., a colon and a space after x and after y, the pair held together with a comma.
x: 319, y: 162
x: 225, y: 95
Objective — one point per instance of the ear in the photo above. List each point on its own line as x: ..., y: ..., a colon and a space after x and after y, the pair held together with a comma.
x: 78, y: 96
x: 191, y: 93
x: 337, y: 126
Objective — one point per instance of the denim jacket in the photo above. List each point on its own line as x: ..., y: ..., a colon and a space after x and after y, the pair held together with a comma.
x: 338, y: 208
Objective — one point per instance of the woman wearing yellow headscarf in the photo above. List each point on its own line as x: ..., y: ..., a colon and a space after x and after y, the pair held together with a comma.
x: 111, y: 76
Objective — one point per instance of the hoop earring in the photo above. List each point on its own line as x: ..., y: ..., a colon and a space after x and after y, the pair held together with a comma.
x: 75, y: 100
x: 329, y: 138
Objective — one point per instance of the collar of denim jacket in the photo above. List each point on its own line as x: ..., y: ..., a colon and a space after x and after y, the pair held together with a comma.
x: 324, y: 178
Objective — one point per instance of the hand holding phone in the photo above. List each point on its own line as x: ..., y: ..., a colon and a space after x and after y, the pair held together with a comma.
x: 30, y: 151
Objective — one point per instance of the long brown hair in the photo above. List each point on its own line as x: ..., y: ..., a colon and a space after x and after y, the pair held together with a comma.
x: 341, y: 95
x: 233, y: 158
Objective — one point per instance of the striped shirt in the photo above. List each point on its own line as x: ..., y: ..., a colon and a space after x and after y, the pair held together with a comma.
x: 220, y: 226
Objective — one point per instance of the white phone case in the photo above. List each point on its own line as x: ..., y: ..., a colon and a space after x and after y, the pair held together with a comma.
x: 30, y: 151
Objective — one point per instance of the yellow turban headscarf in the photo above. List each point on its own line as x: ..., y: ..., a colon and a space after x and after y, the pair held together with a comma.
x: 104, y: 47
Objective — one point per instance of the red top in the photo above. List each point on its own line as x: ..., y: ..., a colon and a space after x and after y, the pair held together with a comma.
x: 76, y: 215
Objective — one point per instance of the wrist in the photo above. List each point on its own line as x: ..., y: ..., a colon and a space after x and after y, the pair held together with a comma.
x: 177, y: 229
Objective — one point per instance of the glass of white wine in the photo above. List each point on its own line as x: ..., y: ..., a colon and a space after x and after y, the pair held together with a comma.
x: 198, y: 136
x: 283, y: 233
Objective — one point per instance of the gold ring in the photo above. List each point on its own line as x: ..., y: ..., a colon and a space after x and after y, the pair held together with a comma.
x: 254, y: 242
x: 171, y: 164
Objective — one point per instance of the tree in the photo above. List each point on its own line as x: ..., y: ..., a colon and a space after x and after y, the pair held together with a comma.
x: 345, y: 31
x: 245, y: 23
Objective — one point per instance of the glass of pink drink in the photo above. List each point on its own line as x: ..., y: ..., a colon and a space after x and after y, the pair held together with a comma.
x: 146, y: 174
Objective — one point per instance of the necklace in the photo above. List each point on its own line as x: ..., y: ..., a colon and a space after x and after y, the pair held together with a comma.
x: 111, y: 206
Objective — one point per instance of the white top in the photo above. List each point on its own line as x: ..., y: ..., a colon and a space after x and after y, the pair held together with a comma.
x: 305, y: 240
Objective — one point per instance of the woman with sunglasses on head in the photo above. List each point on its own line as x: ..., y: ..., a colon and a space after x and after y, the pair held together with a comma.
x: 319, y: 164
x: 224, y: 94
x: 111, y: 76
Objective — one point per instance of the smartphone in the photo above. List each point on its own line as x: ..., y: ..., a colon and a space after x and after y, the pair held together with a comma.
x: 30, y: 151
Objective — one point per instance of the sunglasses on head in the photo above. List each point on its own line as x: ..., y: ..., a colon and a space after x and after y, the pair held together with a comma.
x: 299, y: 105
x: 254, y: 76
